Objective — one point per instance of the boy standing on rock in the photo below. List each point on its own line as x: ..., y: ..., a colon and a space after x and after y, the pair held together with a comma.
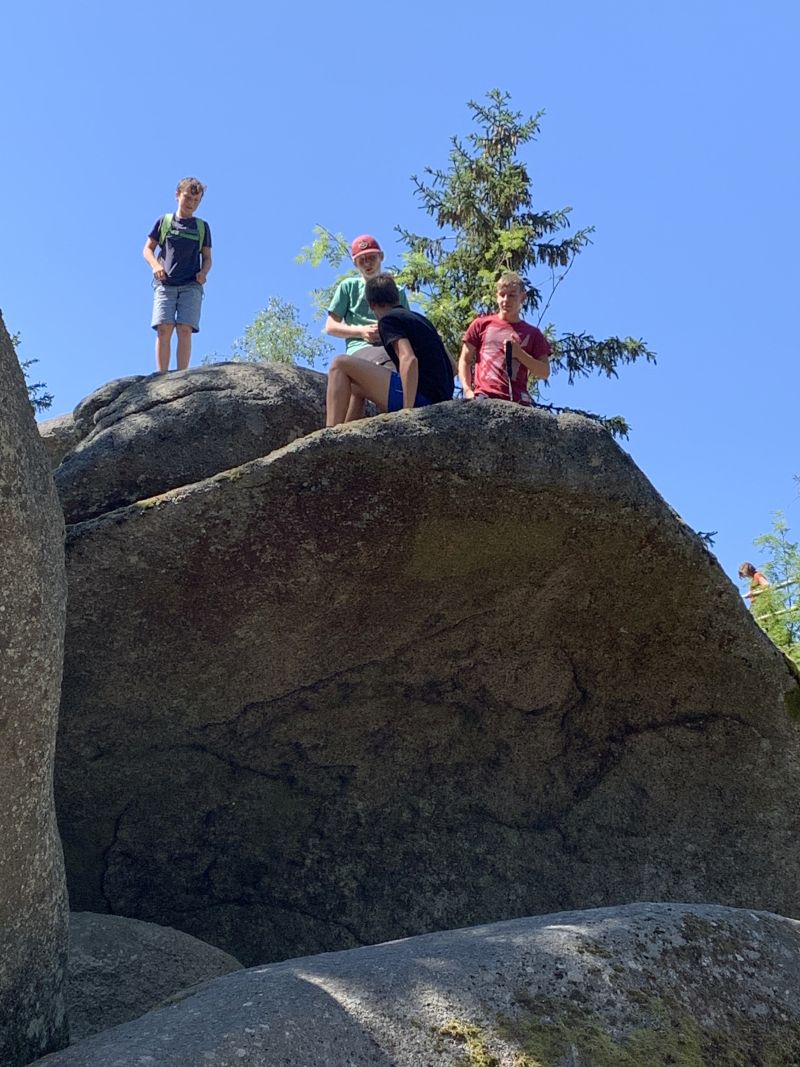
x: 482, y: 367
x: 423, y: 374
x: 179, y: 273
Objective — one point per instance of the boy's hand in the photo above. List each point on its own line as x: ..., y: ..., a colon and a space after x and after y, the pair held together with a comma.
x: 469, y: 394
x: 370, y: 334
x: 201, y: 277
x: 160, y: 274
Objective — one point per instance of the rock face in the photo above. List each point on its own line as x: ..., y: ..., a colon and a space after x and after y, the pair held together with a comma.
x: 432, y: 669
x: 33, y: 930
x: 645, y: 985
x: 120, y: 968
x: 142, y: 436
x: 59, y: 436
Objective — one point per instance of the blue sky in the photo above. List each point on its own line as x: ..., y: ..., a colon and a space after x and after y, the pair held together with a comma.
x: 672, y: 128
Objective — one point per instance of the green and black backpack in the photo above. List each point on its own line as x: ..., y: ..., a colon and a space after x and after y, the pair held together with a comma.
x: 198, y: 235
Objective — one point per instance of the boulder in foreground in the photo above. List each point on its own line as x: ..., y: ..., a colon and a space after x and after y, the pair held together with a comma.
x: 643, y: 985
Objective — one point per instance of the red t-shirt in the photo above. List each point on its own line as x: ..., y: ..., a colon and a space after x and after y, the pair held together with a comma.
x: 488, y: 335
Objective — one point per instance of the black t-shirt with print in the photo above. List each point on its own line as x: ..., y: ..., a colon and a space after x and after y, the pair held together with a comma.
x: 435, y: 368
x: 180, y: 255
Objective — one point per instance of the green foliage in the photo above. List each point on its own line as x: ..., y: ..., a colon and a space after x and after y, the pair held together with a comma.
x: 615, y: 424
x: 777, y: 608
x: 40, y: 399
x: 483, y: 208
x: 486, y: 222
x: 276, y: 335
x: 333, y: 250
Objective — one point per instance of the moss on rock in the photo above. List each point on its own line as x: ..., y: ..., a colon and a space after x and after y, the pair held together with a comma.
x: 549, y: 1032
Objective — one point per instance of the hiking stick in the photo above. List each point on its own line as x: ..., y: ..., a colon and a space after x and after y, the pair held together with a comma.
x: 509, y: 368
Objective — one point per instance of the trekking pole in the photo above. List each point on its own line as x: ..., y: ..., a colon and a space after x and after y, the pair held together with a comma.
x: 509, y: 368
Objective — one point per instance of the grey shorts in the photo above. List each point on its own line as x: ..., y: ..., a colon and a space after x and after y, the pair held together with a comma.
x: 177, y: 304
x: 375, y: 354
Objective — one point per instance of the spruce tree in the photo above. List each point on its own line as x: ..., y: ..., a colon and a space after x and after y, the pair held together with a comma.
x: 482, y: 205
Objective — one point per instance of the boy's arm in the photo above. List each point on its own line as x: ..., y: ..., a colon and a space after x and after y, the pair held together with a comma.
x: 205, y: 266
x: 539, y: 368
x: 149, y: 253
x: 408, y: 368
x: 466, y: 362
x: 335, y: 327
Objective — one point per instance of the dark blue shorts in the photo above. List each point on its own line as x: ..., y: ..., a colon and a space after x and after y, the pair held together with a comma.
x: 395, y: 401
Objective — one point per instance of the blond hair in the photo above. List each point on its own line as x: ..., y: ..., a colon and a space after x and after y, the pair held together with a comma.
x: 510, y: 277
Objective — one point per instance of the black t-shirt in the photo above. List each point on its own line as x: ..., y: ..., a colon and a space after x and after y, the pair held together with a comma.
x: 435, y: 368
x: 180, y: 253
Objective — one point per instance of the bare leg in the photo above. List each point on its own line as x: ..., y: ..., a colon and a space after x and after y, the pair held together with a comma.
x: 374, y: 354
x: 184, y: 345
x: 350, y: 381
x: 338, y: 396
x: 355, y: 409
x: 163, y: 345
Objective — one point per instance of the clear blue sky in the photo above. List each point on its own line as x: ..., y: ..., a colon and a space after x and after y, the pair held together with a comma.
x: 672, y: 128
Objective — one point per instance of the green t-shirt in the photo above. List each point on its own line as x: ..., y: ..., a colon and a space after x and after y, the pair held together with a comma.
x: 350, y: 304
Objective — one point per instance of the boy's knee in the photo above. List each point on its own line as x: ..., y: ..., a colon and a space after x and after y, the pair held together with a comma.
x: 164, y: 329
x: 184, y: 329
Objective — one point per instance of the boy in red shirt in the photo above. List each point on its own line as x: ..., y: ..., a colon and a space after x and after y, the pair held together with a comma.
x: 482, y: 366
x: 757, y: 581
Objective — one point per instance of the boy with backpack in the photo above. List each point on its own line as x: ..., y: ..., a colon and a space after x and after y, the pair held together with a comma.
x: 486, y: 368
x: 179, y: 273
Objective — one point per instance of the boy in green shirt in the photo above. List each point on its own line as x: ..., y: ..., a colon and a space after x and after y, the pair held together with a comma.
x: 350, y: 316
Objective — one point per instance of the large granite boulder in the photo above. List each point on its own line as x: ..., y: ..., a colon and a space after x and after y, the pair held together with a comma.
x: 59, y: 436
x: 141, y: 436
x: 120, y: 968
x: 33, y: 927
x: 428, y: 670
x: 647, y: 985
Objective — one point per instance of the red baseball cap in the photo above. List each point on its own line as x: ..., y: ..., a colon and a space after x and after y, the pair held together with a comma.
x: 363, y: 244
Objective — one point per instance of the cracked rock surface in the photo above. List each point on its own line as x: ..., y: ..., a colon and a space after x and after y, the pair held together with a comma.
x: 139, y: 436
x: 120, y: 968
x: 643, y: 985
x: 33, y: 907
x: 431, y: 669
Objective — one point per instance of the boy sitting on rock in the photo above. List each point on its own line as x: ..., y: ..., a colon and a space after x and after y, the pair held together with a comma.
x: 423, y: 374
